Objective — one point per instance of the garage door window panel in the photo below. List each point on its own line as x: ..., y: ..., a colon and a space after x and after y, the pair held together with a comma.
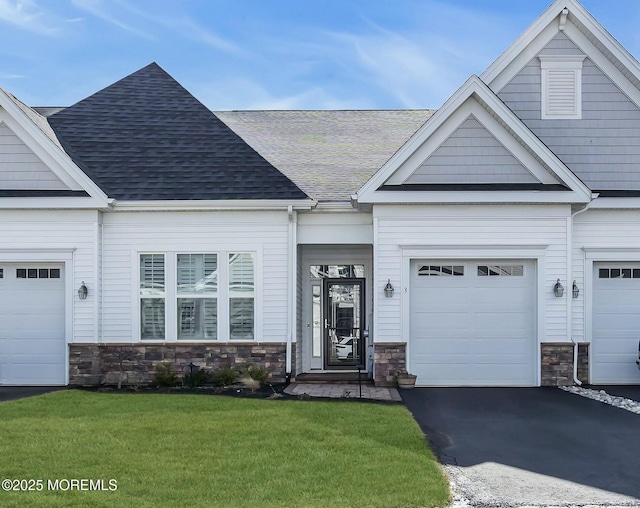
x: 441, y: 271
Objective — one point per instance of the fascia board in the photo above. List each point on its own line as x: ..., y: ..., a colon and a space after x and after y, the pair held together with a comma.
x: 39, y: 203
x: 208, y: 205
x: 614, y: 203
x: 475, y: 197
x: 61, y: 159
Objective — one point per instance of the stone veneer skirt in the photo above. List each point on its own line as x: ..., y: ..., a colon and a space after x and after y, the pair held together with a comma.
x: 93, y: 364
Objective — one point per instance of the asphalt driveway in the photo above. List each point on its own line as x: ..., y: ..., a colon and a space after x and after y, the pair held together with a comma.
x: 20, y: 392
x: 531, y: 446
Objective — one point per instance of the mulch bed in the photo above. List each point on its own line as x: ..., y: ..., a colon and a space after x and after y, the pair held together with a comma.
x: 274, y: 391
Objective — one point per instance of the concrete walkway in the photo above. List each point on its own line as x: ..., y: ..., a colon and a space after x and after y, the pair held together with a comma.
x: 343, y: 391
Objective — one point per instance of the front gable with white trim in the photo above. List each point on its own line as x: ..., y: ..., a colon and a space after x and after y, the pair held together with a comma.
x: 489, y: 156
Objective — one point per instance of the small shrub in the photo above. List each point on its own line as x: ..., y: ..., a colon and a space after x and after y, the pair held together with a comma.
x: 165, y: 375
x: 260, y: 374
x: 224, y: 377
x: 197, y: 378
x: 248, y: 382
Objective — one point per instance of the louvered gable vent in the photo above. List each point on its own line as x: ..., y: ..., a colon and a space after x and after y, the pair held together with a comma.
x: 561, y: 86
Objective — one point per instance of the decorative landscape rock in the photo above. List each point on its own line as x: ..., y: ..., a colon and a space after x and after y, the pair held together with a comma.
x: 604, y: 397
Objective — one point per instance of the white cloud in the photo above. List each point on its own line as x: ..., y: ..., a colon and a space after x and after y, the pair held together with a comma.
x: 246, y: 94
x: 28, y: 15
x: 98, y: 9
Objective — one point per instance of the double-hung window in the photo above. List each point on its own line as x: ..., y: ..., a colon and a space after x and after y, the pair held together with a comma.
x: 197, y: 291
x: 197, y: 296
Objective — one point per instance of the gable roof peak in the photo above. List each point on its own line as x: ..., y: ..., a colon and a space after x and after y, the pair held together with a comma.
x: 573, y: 19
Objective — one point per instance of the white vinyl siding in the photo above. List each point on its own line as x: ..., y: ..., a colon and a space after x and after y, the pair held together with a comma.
x: 490, y: 228
x: 597, y: 234
x: 471, y: 155
x: 48, y: 235
x: 262, y: 233
x: 603, y: 147
x: 21, y: 168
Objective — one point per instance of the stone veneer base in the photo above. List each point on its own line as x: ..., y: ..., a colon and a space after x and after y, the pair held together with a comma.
x: 94, y: 364
x: 388, y: 358
x: 557, y: 363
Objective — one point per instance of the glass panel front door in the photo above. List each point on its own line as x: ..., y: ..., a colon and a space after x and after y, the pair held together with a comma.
x: 343, y: 323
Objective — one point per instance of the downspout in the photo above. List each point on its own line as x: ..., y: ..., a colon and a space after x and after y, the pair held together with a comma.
x: 291, y: 289
x: 570, y: 290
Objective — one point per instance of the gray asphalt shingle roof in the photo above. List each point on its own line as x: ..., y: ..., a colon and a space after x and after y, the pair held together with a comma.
x: 327, y: 154
x: 147, y: 138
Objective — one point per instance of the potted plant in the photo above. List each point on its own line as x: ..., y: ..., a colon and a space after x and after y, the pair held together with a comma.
x: 405, y: 380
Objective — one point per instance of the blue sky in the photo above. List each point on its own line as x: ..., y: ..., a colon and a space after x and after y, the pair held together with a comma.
x: 272, y: 54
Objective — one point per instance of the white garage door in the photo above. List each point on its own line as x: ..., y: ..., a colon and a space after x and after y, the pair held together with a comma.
x: 473, y: 323
x: 32, y: 331
x: 616, y: 323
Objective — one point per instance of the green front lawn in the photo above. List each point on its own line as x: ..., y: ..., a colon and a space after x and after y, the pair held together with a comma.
x: 209, y: 451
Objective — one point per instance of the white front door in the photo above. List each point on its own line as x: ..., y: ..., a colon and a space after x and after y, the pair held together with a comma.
x: 616, y: 323
x: 473, y: 322
x: 32, y: 324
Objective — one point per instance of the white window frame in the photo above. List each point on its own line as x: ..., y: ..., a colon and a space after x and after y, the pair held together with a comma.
x: 223, y: 295
x: 552, y: 66
x: 198, y: 296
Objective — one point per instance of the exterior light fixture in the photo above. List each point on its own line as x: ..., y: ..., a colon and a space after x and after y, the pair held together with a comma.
x: 575, y: 290
x: 388, y: 289
x: 83, y: 291
x: 558, y: 289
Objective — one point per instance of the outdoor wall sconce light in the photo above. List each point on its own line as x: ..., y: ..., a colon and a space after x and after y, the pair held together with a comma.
x: 83, y: 291
x: 388, y: 289
x: 558, y: 289
x: 575, y: 290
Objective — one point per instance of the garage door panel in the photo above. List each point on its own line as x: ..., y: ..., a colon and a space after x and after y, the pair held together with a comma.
x: 32, y: 335
x: 616, y: 323
x: 450, y: 346
x: 34, y: 348
x: 479, y: 331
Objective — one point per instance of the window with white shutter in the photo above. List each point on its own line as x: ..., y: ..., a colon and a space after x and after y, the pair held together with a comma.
x: 152, y: 296
x: 196, y: 296
x: 561, y: 86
